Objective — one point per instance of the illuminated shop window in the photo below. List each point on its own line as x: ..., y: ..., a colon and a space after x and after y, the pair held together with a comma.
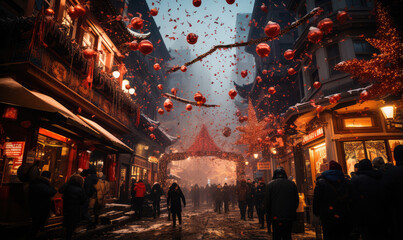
x: 88, y: 40
x: 358, y: 122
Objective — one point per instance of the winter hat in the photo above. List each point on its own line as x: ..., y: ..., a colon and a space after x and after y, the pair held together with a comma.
x: 333, y: 165
x: 279, y: 173
x: 378, y: 162
x: 364, y: 164
x: 398, y: 154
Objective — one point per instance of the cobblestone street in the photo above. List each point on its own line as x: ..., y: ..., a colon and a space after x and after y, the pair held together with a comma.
x: 197, y: 224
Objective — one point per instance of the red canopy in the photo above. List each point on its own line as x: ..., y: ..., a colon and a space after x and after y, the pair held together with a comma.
x: 203, y: 142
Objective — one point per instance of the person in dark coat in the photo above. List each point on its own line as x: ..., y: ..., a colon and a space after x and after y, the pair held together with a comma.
x: 218, y: 198
x: 281, y: 203
x: 40, y: 194
x: 90, y: 181
x: 392, y: 185
x: 156, y: 193
x: 259, y: 201
x: 332, y: 203
x: 73, y: 199
x: 174, y: 202
x: 241, y: 192
x: 226, y: 191
x: 133, y: 193
x: 250, y: 198
x: 379, y: 164
x: 368, y: 204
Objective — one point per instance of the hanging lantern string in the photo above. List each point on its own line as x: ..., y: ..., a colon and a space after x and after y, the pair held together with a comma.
x: 179, y: 99
x: 315, y: 11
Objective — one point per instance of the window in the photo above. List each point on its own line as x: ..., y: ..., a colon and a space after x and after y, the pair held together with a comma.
x: 333, y: 58
x: 326, y: 5
x: 313, y: 71
x: 67, y: 23
x: 357, y: 3
x: 363, y: 50
x: 358, y: 122
x: 103, y: 55
x: 88, y: 40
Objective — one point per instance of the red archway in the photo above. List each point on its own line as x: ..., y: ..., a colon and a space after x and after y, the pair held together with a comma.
x: 202, y: 146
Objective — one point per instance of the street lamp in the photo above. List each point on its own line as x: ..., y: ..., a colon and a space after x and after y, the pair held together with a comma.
x: 274, y: 151
x: 116, y: 74
x: 132, y: 91
x: 256, y: 155
x: 388, y: 112
x: 246, y: 163
x: 124, y: 83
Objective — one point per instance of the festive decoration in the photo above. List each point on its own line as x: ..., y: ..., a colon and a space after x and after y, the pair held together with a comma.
x: 317, y: 84
x: 79, y: 10
x: 294, y: 25
x: 154, y: 12
x: 198, y: 97
x: 232, y: 93
x: 152, y: 136
x: 49, y: 12
x: 315, y: 35
x: 127, y: 86
x: 151, y: 129
x: 197, y: 3
x: 263, y: 7
x: 259, y: 79
x: 184, y: 68
x: 191, y: 38
x: 160, y: 111
x: 10, y: 113
x: 326, y: 25
x: 200, y: 103
x: 226, y: 132
x: 334, y: 99
x: 157, y: 67
x: 137, y: 23
x: 342, y: 16
x: 146, y: 47
x: 72, y: 13
x: 89, y: 53
x: 291, y: 71
x: 168, y: 105
x: 230, y: 1
x: 289, y: 54
x: 263, y: 50
x: 272, y: 90
x: 244, y: 73
x: 134, y: 46
x: 272, y: 29
x: 160, y: 87
x: 189, y: 107
x: 383, y: 70
x: 253, y: 130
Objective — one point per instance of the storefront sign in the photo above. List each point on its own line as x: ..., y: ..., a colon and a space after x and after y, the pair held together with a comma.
x: 312, y: 136
x: 152, y: 159
x: 10, y: 113
x: 15, y: 150
x: 263, y: 166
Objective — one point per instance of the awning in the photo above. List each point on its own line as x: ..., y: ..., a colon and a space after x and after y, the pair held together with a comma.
x: 13, y: 93
x: 107, y: 135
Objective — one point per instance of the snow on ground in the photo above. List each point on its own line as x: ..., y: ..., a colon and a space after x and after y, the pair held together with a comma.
x: 109, y: 205
x: 139, y: 228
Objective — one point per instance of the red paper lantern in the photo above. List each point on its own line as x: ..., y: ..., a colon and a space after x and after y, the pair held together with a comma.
x: 289, y: 54
x: 238, y: 113
x: 317, y: 84
x: 264, y: 8
x: 272, y: 90
x: 198, y: 97
x: 146, y: 47
x: 291, y: 71
x: 160, y: 111
x: 260, y: 140
x: 342, y: 16
x: 157, y: 67
x: 89, y: 53
x: 189, y: 107
x: 80, y: 10
x: 364, y: 95
x: 151, y: 129
x: 72, y: 13
x: 10, y: 113
x: 244, y: 73
x: 127, y: 86
x: 174, y: 91
x: 191, y: 38
x: 326, y: 25
x: 280, y: 131
x: 259, y: 79
x: 337, y: 96
x: 245, y: 118
x: 230, y: 1
x: 272, y: 29
x: 232, y: 93
x: 111, y: 172
x: 137, y: 23
x: 134, y: 46
x: 332, y: 100
x: 184, y: 68
x: 203, y: 101
x: 152, y: 136
x: 226, y: 132
x: 241, y: 119
x: 160, y: 87
x: 315, y: 35
x: 49, y: 12
x: 154, y: 12
x: 196, y: 3
x: 264, y: 72
x: 168, y: 105
x: 263, y: 50
x: 319, y: 108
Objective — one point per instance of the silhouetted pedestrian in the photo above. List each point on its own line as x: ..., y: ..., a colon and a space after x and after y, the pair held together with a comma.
x: 156, y: 193
x: 174, y: 202
x: 241, y: 191
x: 226, y: 192
x: 259, y: 201
x: 250, y: 198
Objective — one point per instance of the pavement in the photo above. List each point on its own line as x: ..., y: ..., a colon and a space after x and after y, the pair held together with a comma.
x: 201, y: 223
